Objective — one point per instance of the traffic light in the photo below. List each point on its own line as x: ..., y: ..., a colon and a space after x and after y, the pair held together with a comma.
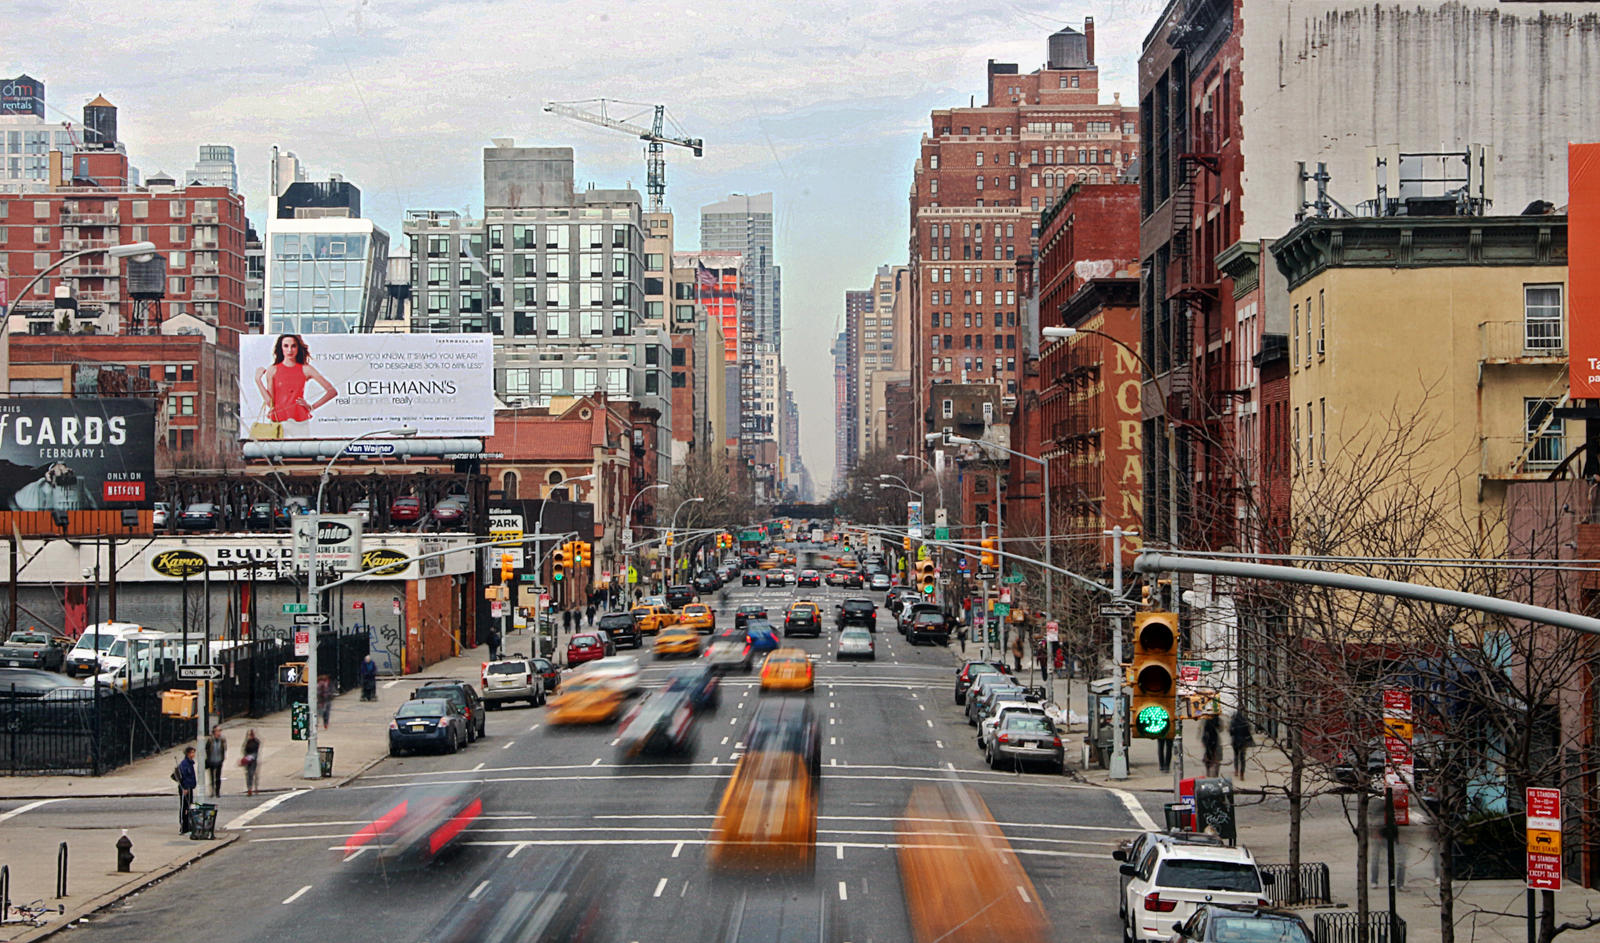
x: 559, y: 562
x: 987, y: 557
x: 1155, y: 675
x: 906, y: 543
x: 669, y: 538
x: 925, y: 577
x: 505, y: 567
x: 585, y: 549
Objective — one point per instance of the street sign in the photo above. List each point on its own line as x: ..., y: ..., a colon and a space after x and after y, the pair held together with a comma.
x: 338, y: 540
x: 311, y: 618
x: 302, y: 642
x: 914, y: 519
x: 985, y: 574
x: 941, y: 533
x: 505, y: 527
x: 1197, y: 663
x: 1399, y: 768
x: 199, y: 672
x: 1014, y: 578
x: 529, y: 577
x: 1052, y: 632
x: 495, y: 610
x: 1002, y: 609
x: 1544, y: 839
x: 293, y: 607
x: 941, y: 519
x: 1116, y: 609
x: 633, y: 575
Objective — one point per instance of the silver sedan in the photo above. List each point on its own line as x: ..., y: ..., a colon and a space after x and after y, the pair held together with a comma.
x: 856, y: 642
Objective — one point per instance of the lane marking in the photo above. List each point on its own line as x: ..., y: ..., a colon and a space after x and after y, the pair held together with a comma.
x: 937, y: 743
x: 613, y: 742
x: 245, y: 818
x: 29, y: 807
x: 930, y: 723
x: 661, y: 885
x: 677, y: 849
x: 714, y: 759
x: 478, y: 767
x: 832, y: 741
x: 732, y: 721
x: 533, y: 728
x: 920, y: 707
x: 1136, y: 810
x: 596, y: 761
x: 724, y: 741
x: 1020, y: 891
x: 476, y: 890
x: 843, y: 894
x: 391, y: 684
x: 838, y: 852
x: 508, y: 744
x: 296, y: 895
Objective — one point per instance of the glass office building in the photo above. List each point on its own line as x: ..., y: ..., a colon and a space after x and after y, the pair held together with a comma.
x: 325, y: 276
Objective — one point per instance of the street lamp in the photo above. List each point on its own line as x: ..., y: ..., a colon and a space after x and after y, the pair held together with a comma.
x: 672, y: 551
x: 1049, y: 598
x: 139, y: 251
x: 538, y: 558
x: 313, y: 764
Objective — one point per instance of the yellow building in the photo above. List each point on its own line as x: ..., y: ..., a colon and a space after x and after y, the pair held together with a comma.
x: 1456, y: 324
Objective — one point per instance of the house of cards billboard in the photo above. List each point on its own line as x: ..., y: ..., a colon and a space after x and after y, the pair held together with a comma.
x: 338, y: 386
x: 85, y: 454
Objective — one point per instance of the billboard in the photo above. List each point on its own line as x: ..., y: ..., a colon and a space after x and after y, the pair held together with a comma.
x: 1583, y: 274
x: 83, y: 454
x: 338, y: 386
x: 23, y: 95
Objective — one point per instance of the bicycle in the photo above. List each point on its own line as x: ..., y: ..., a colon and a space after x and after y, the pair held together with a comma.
x: 35, y: 913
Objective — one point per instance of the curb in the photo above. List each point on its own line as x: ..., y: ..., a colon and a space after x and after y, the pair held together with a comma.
x: 127, y: 890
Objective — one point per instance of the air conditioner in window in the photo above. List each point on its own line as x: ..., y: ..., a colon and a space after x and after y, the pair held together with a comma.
x: 1321, y: 346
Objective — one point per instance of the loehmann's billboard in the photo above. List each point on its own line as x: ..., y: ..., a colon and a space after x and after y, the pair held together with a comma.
x: 85, y: 454
x: 338, y: 386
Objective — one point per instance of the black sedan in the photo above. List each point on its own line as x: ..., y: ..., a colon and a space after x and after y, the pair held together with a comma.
x: 699, y: 682
x: 551, y: 674
x: 744, y: 614
x: 432, y: 723
x: 750, y: 578
x: 201, y: 515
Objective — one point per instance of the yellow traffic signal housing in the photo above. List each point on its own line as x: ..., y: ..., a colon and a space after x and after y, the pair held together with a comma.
x: 505, y: 567
x: 560, y: 561
x: 582, y: 556
x: 989, y: 544
x: 1154, y: 675
x: 926, y: 579
x: 906, y: 543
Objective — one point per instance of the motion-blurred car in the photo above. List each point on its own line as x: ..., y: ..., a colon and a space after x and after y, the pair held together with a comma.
x: 33, y: 648
x: 969, y: 672
x: 743, y: 615
x: 406, y: 509
x: 201, y: 515
x: 586, y: 700
x: 588, y: 646
x: 856, y: 611
x: 750, y: 578
x: 451, y: 510
x: 803, y: 618
x: 788, y: 669
x: 434, y: 723
x: 763, y: 637
x: 619, y: 670
x: 677, y: 641
x: 856, y: 642
x: 765, y: 915
x: 510, y: 679
x: 464, y: 696
x: 809, y: 578
x: 661, y: 723
x: 767, y: 819
x: 32, y: 683
x: 1219, y: 923
x: 417, y: 825
x: 550, y: 893
x: 652, y: 618
x: 1021, y: 738
x: 730, y: 650
x: 699, y: 617
x: 623, y: 627
x: 699, y: 682
x: 787, y: 725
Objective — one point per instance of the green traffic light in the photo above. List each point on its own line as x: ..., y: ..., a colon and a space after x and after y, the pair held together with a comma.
x: 556, y: 576
x: 1153, y: 720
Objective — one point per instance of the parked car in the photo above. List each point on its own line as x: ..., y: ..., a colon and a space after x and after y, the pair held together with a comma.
x: 1133, y: 849
x: 406, y: 509
x: 1220, y: 923
x: 550, y: 672
x: 451, y: 510
x: 32, y: 683
x: 201, y: 515
x: 510, y: 679
x: 862, y: 612
x: 903, y: 622
x: 928, y: 626
x: 362, y: 510
x: 589, y: 646
x: 464, y: 696
x: 1172, y: 880
x: 434, y: 722
x: 261, y: 516
x: 970, y: 671
x: 160, y: 512
x: 34, y: 648
x: 991, y: 720
x: 623, y: 627
x: 1021, y: 738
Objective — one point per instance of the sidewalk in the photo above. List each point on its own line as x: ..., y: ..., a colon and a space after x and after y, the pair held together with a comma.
x: 358, y: 732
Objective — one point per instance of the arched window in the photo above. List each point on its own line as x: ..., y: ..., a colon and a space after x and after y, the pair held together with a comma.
x: 508, y: 486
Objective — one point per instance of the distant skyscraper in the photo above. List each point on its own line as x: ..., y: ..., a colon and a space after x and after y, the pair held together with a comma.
x: 215, y: 168
x: 326, y: 267
x: 743, y: 224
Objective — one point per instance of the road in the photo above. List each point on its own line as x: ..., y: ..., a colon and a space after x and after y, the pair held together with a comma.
x: 888, y: 725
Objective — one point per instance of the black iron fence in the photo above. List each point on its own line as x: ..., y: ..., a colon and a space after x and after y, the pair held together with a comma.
x: 1292, y: 885
x: 1345, y: 927
x: 78, y: 731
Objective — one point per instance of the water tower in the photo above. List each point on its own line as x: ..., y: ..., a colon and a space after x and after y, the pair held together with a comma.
x: 147, y: 285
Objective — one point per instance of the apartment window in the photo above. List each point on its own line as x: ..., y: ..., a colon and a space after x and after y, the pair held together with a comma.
x: 141, y: 209
x: 1013, y: 179
x: 1546, y: 443
x: 1295, y: 463
x: 1311, y: 438
x: 1541, y: 318
x: 170, y: 373
x: 1322, y: 325
x: 1294, y: 336
x: 979, y: 157
x: 1308, y: 331
x: 933, y: 161
x: 41, y: 235
x: 41, y: 210
x: 948, y: 407
x: 1322, y: 437
x: 549, y: 381
x: 933, y: 187
x: 186, y: 373
x: 979, y: 184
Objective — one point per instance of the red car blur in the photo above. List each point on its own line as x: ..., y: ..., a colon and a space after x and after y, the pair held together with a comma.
x: 588, y: 646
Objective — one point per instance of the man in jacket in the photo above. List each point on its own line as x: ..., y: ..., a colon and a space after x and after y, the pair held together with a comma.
x: 216, y: 753
x: 186, y: 783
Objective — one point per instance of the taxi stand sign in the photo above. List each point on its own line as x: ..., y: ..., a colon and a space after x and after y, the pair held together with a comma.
x: 1544, y: 839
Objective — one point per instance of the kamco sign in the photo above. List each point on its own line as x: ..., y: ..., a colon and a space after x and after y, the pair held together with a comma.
x: 178, y: 563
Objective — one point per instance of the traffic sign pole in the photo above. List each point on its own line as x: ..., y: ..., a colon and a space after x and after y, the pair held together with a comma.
x: 1119, y: 750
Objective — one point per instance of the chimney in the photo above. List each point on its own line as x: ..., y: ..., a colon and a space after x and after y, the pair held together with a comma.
x: 1088, y: 38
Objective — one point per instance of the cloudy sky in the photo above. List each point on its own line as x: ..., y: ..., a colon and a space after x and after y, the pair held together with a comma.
x: 819, y: 101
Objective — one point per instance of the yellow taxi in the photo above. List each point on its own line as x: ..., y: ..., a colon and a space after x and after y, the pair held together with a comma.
x: 585, y: 701
x: 677, y: 640
x: 768, y: 815
x: 698, y: 616
x: 787, y: 669
x: 653, y: 619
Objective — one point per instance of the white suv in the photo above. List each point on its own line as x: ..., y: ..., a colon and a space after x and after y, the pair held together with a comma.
x: 1171, y: 879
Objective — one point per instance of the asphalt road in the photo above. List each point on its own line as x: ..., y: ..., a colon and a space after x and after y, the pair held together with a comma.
x: 887, y: 726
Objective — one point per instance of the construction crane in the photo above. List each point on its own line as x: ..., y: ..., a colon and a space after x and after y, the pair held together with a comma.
x: 655, y: 136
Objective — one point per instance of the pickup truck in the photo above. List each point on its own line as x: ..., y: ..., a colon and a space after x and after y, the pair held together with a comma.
x: 35, y: 649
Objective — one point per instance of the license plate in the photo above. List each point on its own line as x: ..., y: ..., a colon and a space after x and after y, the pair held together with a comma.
x: 1030, y: 744
x: 419, y: 728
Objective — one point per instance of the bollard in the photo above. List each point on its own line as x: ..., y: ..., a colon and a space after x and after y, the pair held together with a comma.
x: 5, y: 891
x: 61, y: 872
x: 124, y: 853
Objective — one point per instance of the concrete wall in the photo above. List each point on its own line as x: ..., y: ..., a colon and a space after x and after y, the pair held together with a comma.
x: 1324, y: 79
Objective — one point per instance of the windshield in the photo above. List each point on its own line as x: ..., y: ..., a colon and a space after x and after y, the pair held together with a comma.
x: 1193, y: 875
x: 1256, y: 930
x: 1028, y: 723
x: 117, y: 649
x: 616, y: 622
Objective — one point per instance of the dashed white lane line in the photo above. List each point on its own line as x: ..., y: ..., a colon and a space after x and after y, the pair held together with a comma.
x: 930, y: 723
x: 613, y: 742
x: 596, y: 761
x: 677, y: 849
x: 843, y: 893
x: 477, y: 890
x: 508, y: 744
x: 838, y: 852
x: 29, y: 807
x: 714, y: 760
x: 724, y: 741
x: 533, y: 728
x: 296, y: 895
x: 1024, y: 894
x: 245, y: 818
x: 920, y: 707
x: 661, y: 885
x: 391, y: 684
x: 833, y: 741
x: 939, y: 744
x: 732, y: 721
x: 833, y: 761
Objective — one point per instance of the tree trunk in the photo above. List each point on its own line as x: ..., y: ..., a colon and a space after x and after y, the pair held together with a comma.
x: 1445, y: 828
x: 1363, y: 850
x: 1297, y: 770
x: 1547, y: 916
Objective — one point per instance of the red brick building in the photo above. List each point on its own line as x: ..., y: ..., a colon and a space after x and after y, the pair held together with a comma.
x: 983, y: 175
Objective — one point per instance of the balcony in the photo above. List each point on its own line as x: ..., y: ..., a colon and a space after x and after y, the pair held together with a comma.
x: 90, y: 270
x: 203, y: 294
x: 198, y: 218
x: 80, y: 244
x: 209, y: 268
x: 90, y: 219
x: 1524, y: 341
x: 99, y: 297
x: 1515, y: 458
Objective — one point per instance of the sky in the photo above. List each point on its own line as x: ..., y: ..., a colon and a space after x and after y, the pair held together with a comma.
x: 821, y: 102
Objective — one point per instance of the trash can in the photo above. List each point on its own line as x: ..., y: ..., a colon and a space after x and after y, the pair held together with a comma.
x: 202, y: 821
x: 325, y: 757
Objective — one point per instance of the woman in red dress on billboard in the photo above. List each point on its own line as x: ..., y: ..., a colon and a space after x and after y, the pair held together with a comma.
x: 283, y: 385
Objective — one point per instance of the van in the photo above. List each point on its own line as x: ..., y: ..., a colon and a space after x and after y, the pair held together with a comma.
x: 88, y: 654
x: 146, y: 657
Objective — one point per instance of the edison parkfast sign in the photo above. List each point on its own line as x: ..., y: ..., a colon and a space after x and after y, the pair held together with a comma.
x: 82, y: 454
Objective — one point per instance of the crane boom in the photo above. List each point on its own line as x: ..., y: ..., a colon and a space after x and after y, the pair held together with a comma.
x: 654, y: 136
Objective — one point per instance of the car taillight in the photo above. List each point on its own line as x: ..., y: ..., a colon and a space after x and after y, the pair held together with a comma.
x: 530, y: 680
x: 1153, y: 901
x: 394, y: 725
x: 1056, y: 741
x: 1263, y: 902
x: 1004, y: 738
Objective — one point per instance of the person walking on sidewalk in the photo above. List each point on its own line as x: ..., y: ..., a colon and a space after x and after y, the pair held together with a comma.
x: 369, y: 679
x: 494, y: 643
x: 251, y: 761
x: 1016, y: 651
x: 1211, y: 742
x: 1243, y: 740
x: 216, y: 753
x: 961, y: 637
x: 566, y: 621
x: 325, y: 699
x: 183, y: 775
x: 590, y: 613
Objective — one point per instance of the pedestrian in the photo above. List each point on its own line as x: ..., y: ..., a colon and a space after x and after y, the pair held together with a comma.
x: 1016, y: 652
x: 369, y: 679
x: 590, y: 612
x: 216, y: 753
x: 251, y: 761
x: 494, y: 643
x: 961, y: 637
x: 1380, y: 834
x: 325, y: 699
x: 1211, y: 742
x: 566, y: 620
x: 183, y: 775
x: 1243, y: 739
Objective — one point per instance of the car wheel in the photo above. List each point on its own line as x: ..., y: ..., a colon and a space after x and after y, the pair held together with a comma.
x: 1127, y: 931
x: 453, y: 746
x: 393, y: 751
x: 989, y: 757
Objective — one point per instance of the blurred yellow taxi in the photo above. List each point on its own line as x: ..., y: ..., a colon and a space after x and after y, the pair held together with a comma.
x: 787, y: 669
x: 962, y: 882
x: 699, y: 617
x: 677, y: 640
x: 653, y: 619
x: 768, y: 815
x: 585, y: 700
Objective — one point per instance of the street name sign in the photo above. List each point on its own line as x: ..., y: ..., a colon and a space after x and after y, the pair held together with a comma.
x: 311, y: 618
x: 1117, y: 609
x: 293, y: 607
x: 199, y: 672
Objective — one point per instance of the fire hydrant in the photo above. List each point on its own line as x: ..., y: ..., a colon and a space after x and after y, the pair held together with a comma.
x: 124, y: 853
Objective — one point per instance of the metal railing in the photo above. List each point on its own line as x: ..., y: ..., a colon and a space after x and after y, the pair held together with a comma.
x: 1292, y: 886
x: 90, y: 219
x: 1518, y: 457
x: 1346, y: 927
x: 1532, y: 340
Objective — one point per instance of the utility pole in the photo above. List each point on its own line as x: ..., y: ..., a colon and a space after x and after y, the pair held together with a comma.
x: 1119, y: 750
